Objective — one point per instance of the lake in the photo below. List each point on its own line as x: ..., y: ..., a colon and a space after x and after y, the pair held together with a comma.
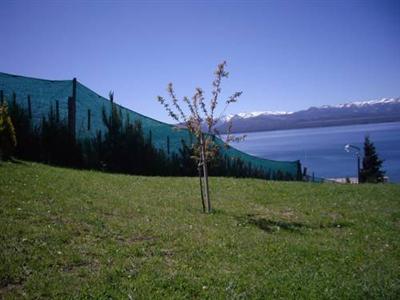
x: 321, y: 150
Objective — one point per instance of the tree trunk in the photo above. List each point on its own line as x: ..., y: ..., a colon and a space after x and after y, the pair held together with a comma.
x: 205, y: 173
x: 206, y: 187
x: 201, y: 188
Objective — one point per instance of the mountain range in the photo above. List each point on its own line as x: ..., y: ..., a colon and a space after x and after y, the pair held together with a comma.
x: 359, y: 112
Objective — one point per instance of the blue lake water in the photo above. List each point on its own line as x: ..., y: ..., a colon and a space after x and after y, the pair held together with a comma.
x: 321, y: 150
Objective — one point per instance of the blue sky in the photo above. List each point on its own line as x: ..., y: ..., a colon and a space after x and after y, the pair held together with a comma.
x: 283, y: 55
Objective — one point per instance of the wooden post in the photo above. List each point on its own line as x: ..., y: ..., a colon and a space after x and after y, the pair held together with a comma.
x: 358, y: 168
x: 150, y: 137
x: 71, y: 117
x: 168, y: 144
x: 57, y: 112
x: 299, y: 176
x: 74, y: 89
x: 72, y: 110
x: 29, y: 107
x: 88, y: 119
x: 111, y: 96
x: 14, y: 103
x: 1, y: 97
x: 305, y: 172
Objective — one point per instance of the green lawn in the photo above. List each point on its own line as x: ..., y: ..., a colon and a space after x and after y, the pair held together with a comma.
x: 81, y: 234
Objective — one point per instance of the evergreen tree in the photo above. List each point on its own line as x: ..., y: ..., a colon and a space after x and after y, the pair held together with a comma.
x: 371, y: 165
x: 57, y: 145
x: 113, y: 137
x: 187, y: 166
x: 122, y: 147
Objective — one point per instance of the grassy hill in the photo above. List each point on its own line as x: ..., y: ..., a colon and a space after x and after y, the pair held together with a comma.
x: 81, y: 234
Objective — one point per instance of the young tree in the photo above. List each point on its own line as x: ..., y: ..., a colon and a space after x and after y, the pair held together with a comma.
x: 197, y: 114
x: 8, y: 140
x: 371, y: 165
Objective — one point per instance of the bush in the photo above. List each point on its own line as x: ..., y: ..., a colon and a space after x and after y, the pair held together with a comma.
x: 8, y: 140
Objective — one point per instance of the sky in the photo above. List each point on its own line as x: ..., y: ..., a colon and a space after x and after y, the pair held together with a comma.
x: 283, y: 55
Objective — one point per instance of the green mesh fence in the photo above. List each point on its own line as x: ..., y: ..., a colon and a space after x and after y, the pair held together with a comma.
x: 45, y: 94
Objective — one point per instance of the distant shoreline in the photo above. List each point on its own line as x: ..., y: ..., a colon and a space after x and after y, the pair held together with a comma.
x: 321, y: 149
x: 313, y: 127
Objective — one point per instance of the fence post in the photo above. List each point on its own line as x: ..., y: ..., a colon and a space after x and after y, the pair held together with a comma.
x: 71, y: 117
x: 74, y: 89
x: 14, y: 99
x: 88, y: 119
x: 299, y: 175
x: 168, y: 144
x: 57, y: 111
x: 1, y: 97
x: 29, y: 107
x: 72, y: 110
x: 150, y: 137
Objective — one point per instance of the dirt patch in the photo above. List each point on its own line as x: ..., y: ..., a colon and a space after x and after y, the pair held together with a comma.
x: 93, y: 266
x: 136, y: 239
x: 10, y: 287
x: 272, y: 225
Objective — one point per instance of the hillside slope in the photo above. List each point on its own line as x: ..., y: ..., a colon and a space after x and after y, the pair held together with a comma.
x: 80, y: 234
x: 44, y: 95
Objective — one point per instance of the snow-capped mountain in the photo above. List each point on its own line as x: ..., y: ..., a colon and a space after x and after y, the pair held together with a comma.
x: 357, y: 112
x: 246, y: 115
x: 365, y: 103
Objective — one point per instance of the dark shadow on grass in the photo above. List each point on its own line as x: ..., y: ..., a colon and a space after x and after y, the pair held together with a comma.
x: 17, y: 161
x: 271, y: 226
x: 12, y: 160
x: 217, y: 211
x: 336, y: 225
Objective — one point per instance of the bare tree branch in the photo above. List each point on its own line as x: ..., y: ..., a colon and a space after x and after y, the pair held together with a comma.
x: 175, y: 101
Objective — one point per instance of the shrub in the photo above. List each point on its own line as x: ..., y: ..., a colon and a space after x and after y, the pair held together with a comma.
x: 8, y: 140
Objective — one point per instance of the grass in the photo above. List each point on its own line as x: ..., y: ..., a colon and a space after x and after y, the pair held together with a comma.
x: 82, y: 234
